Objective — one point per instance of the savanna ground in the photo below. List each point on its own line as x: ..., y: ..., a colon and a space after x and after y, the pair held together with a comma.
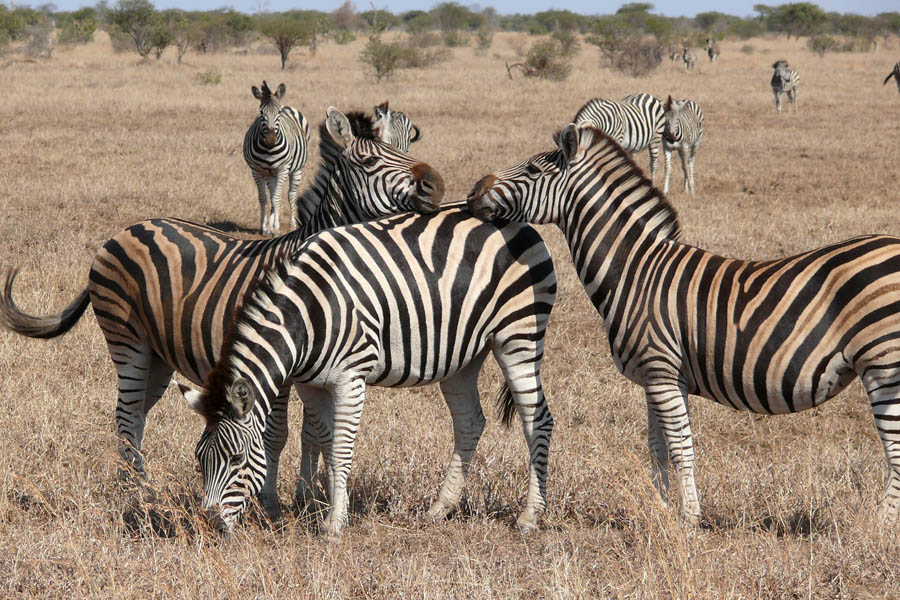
x: 92, y: 141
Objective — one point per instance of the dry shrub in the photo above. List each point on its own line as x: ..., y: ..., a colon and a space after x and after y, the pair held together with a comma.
x: 545, y: 60
x: 639, y: 59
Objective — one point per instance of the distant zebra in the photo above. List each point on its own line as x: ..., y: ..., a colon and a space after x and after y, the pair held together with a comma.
x: 689, y: 58
x: 636, y: 122
x: 394, y: 127
x: 785, y: 81
x: 276, y: 150
x: 712, y: 50
x: 895, y: 73
x: 164, y: 291
x: 770, y: 337
x: 396, y: 302
x: 683, y: 130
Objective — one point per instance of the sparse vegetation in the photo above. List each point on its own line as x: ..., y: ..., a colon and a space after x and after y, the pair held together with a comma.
x: 544, y: 60
x: 209, y: 77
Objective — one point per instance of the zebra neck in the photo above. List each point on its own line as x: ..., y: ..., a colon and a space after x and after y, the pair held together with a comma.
x: 324, y: 188
x: 331, y: 209
x: 613, y: 221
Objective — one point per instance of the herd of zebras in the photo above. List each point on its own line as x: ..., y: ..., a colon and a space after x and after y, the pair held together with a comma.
x: 383, y: 285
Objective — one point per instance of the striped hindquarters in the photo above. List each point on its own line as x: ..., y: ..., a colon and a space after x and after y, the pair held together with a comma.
x: 635, y: 122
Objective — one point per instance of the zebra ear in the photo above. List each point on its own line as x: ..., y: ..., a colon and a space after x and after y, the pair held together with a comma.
x: 568, y: 141
x: 279, y: 93
x: 192, y: 397
x: 417, y: 134
x: 380, y: 110
x: 240, y: 397
x: 256, y: 92
x: 338, y: 127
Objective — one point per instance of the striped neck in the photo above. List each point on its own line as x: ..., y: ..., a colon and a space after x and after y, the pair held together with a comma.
x: 612, y: 218
x: 323, y: 204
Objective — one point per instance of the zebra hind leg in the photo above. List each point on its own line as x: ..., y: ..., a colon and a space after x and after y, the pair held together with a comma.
x: 659, y: 455
x: 882, y: 385
x: 523, y: 378
x: 348, y: 397
x: 686, y: 169
x: 667, y: 169
x: 461, y: 395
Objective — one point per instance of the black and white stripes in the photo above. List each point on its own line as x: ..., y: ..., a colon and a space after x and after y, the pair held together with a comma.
x: 785, y: 81
x: 682, y: 132
x: 276, y: 148
x: 771, y: 337
x: 401, y: 301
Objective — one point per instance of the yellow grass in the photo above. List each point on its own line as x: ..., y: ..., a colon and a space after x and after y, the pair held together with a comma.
x: 92, y: 141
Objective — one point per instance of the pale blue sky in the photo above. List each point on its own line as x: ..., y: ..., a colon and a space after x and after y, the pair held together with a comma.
x: 683, y: 7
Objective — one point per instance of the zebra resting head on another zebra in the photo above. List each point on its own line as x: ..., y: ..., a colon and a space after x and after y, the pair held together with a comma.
x: 770, y: 337
x: 895, y: 73
x: 276, y: 148
x: 394, y: 127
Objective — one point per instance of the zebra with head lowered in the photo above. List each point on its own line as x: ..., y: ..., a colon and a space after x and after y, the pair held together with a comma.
x: 400, y: 301
x: 636, y: 122
x: 394, y: 127
x: 164, y: 291
x: 785, y: 81
x: 770, y: 337
x: 276, y: 148
x: 682, y: 131
x: 895, y: 73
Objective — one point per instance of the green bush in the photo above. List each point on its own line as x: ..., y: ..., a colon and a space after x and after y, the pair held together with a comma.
x: 820, y: 44
x: 455, y: 39
x: 78, y: 32
x: 382, y: 58
x: 545, y: 60
x: 209, y: 77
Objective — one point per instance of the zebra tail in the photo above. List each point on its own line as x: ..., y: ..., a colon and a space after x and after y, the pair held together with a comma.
x: 888, y: 78
x: 51, y: 326
x: 506, y: 405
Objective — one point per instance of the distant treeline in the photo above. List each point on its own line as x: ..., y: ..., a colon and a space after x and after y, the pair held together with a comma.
x: 138, y: 24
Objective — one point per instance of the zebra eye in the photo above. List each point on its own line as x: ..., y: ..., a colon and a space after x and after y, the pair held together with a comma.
x: 533, y: 170
x: 237, y: 460
x: 370, y: 161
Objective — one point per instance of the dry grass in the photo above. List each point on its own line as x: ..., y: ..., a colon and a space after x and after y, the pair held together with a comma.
x: 91, y: 142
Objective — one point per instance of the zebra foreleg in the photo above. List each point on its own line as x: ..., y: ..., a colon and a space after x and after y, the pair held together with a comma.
x: 263, y: 200
x: 687, y: 169
x: 653, y: 148
x: 669, y: 403
x: 274, y: 438
x: 348, y: 397
x: 777, y: 100
x: 276, y: 187
x: 293, y: 188
x: 461, y: 395
x: 667, y: 169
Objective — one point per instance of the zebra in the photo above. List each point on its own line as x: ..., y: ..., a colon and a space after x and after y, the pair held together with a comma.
x: 636, y: 122
x: 785, y: 81
x: 396, y: 302
x: 712, y: 50
x: 276, y: 148
x: 683, y: 130
x: 689, y: 58
x: 770, y: 337
x: 895, y: 73
x: 165, y: 290
x: 394, y: 127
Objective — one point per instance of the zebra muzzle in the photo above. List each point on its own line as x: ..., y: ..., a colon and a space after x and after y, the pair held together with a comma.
x: 429, y: 186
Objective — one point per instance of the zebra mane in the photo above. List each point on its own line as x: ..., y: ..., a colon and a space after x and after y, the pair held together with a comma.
x: 603, y: 146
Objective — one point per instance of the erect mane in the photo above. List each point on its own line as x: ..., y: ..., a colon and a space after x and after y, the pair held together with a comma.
x: 602, y: 144
x: 361, y: 124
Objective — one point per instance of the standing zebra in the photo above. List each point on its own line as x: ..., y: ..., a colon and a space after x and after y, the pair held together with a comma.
x: 785, y: 81
x: 712, y: 50
x: 276, y: 150
x: 682, y: 131
x: 895, y: 73
x: 394, y: 127
x: 689, y: 58
x: 635, y: 123
x: 402, y: 301
x: 164, y: 291
x: 770, y: 337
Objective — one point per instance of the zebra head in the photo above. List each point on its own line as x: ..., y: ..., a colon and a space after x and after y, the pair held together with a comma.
x: 269, y: 112
x: 376, y: 178
x: 229, y: 452
x: 394, y: 127
x: 672, y: 127
x: 781, y: 69
x: 529, y: 190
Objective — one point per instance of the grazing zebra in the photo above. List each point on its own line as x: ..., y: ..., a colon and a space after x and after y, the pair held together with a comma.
x: 164, y: 291
x: 712, y: 50
x: 683, y: 130
x: 895, y: 74
x: 276, y: 150
x: 394, y: 127
x: 785, y: 81
x: 771, y: 337
x: 635, y: 123
x: 689, y: 58
x: 401, y: 301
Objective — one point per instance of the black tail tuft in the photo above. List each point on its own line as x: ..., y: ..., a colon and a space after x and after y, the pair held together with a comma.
x: 506, y: 405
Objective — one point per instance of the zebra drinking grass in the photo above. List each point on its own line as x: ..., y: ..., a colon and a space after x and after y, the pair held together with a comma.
x: 635, y: 123
x: 682, y: 131
x: 770, y: 337
x: 396, y: 302
x: 276, y: 148
x: 895, y: 73
x: 785, y: 81
x: 164, y: 291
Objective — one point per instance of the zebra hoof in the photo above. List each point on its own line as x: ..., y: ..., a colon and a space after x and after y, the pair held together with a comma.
x: 331, y: 529
x: 438, y: 511
x: 527, y: 522
x: 271, y: 505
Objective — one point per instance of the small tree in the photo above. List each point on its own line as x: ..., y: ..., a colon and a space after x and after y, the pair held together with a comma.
x: 545, y: 60
x: 135, y: 18
x: 287, y: 34
x: 383, y: 59
x: 820, y: 44
x: 161, y: 35
x: 611, y: 34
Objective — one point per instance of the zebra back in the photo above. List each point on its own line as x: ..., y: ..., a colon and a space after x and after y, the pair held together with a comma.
x: 635, y: 123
